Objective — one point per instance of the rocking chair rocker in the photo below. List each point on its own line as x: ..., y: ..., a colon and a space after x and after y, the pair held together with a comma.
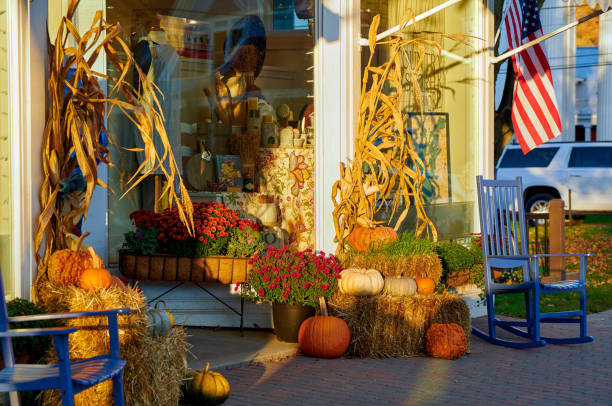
x: 504, y: 246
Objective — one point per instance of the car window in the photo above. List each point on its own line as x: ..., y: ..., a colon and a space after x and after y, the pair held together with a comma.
x: 538, y: 158
x: 593, y: 157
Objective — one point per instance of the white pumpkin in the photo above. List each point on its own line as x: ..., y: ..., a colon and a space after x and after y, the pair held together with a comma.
x: 361, y: 282
x: 398, y: 286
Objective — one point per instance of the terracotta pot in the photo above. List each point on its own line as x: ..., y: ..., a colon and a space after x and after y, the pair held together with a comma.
x: 288, y: 319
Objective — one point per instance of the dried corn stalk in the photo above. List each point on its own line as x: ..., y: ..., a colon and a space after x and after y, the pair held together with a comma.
x: 385, y: 165
x: 77, y: 109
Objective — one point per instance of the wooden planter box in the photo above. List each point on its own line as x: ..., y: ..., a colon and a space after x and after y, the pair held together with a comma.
x: 161, y: 267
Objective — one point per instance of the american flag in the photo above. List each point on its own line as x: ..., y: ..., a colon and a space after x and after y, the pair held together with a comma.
x: 535, y: 116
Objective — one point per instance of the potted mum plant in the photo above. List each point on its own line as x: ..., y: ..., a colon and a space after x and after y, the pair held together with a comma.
x: 293, y: 281
x: 161, y: 247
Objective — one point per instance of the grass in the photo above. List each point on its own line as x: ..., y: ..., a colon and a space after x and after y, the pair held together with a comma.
x: 592, y: 235
x: 599, y: 298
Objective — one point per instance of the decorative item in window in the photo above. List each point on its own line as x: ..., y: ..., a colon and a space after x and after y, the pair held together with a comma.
x: 430, y: 136
x: 229, y: 171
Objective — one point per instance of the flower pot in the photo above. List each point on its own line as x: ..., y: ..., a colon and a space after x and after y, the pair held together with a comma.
x: 288, y: 318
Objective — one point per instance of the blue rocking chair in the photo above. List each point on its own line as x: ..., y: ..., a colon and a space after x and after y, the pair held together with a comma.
x: 504, y: 246
x: 70, y: 377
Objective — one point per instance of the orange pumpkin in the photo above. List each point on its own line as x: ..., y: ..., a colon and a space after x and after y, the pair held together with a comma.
x: 66, y: 266
x: 425, y: 286
x: 95, y: 278
x: 364, y: 238
x: 324, y: 336
x: 446, y: 341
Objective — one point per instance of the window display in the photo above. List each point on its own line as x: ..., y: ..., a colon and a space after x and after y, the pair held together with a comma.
x: 237, y: 85
x: 445, y: 134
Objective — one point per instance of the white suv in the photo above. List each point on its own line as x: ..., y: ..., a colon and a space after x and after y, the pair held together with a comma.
x: 551, y: 169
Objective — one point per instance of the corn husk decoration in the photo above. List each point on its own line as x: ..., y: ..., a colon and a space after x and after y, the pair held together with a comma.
x: 71, y: 140
x: 385, y: 164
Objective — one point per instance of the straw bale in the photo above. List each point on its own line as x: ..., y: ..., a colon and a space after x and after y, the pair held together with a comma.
x: 385, y: 326
x: 155, y: 365
x: 413, y: 266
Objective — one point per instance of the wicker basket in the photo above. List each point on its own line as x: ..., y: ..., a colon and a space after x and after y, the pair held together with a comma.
x: 160, y: 267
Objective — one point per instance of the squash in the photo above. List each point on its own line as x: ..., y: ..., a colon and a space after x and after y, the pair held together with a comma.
x: 116, y: 281
x: 425, y: 286
x: 360, y: 282
x: 364, y: 238
x: 206, y: 388
x: 66, y: 266
x: 95, y: 278
x: 446, y: 341
x: 324, y: 336
x: 399, y: 286
x: 159, y: 321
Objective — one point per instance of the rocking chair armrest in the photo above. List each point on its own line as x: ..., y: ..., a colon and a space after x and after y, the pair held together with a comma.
x: 45, y: 331
x: 67, y: 315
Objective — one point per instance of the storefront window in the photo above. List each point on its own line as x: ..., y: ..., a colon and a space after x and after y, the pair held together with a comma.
x: 5, y: 157
x: 237, y: 84
x: 445, y: 135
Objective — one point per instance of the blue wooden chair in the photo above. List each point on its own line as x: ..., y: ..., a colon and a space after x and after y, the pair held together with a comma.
x: 504, y: 246
x: 70, y: 377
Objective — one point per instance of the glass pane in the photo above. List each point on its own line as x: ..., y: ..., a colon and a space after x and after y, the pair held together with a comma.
x: 595, y: 157
x: 537, y: 158
x: 445, y: 136
x: 254, y: 60
x: 5, y: 160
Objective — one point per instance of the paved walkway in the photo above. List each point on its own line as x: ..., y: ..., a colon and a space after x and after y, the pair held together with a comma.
x: 490, y: 375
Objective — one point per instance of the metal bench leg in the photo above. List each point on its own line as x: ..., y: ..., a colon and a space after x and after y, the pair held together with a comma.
x: 241, y: 316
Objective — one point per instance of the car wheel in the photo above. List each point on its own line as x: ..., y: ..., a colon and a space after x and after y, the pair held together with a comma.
x: 538, y: 203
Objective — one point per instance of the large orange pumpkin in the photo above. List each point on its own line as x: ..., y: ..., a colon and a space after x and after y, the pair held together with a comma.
x: 324, y: 336
x: 446, y: 341
x: 66, y: 266
x: 425, y: 286
x: 95, y: 278
x: 364, y: 238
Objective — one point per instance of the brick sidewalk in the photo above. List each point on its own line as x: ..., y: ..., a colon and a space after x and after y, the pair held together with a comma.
x: 490, y: 375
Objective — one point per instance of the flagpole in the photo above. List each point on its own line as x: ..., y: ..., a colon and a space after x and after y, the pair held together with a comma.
x: 508, y: 54
x: 422, y: 16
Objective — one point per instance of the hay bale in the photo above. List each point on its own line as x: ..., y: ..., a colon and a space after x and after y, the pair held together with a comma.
x: 385, y: 326
x: 413, y: 266
x: 155, y: 365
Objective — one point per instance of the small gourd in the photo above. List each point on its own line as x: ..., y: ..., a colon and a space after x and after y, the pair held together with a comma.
x: 206, y: 388
x: 445, y: 341
x: 96, y: 277
x: 399, y: 286
x: 159, y: 321
x: 324, y: 336
x: 425, y: 286
x: 360, y: 282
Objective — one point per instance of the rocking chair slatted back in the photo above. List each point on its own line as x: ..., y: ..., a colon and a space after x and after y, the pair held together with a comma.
x: 502, y: 217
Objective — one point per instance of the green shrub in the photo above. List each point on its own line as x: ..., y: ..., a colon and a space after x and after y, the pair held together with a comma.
x: 455, y: 257
x: 244, y: 243
x: 21, y: 307
x: 408, y: 244
x: 143, y: 240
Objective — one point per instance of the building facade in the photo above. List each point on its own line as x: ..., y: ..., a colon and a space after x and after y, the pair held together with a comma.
x: 308, y: 64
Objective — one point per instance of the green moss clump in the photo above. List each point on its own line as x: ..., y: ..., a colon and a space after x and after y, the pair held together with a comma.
x: 455, y: 258
x: 409, y: 244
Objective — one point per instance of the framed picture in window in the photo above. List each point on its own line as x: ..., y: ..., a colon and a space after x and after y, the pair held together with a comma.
x: 229, y: 171
x: 431, y: 138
